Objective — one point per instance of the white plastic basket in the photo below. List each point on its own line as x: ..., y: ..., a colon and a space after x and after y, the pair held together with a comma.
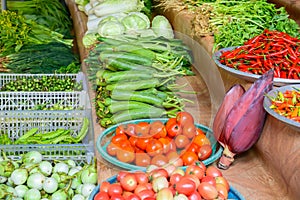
x: 16, y: 123
x: 79, y: 77
x: 33, y: 100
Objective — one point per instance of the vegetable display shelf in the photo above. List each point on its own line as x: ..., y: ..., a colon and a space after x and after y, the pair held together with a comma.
x: 269, y: 169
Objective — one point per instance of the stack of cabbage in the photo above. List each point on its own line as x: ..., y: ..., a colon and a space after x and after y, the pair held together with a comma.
x: 112, y: 18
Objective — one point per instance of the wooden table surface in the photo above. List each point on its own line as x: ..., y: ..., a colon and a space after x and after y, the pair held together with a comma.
x: 270, y: 170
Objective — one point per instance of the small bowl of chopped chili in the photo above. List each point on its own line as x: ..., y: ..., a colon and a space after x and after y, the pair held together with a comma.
x: 283, y: 103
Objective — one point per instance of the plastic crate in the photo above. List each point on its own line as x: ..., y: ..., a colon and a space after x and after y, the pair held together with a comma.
x: 79, y: 77
x: 16, y: 123
x: 31, y: 100
x: 77, y: 153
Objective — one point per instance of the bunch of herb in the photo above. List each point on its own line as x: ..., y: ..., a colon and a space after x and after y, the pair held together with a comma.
x: 16, y: 31
x: 52, y: 14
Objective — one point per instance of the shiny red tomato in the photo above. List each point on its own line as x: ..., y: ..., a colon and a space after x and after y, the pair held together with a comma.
x: 204, y: 152
x: 207, y: 191
x: 142, y: 159
x: 142, y: 129
x: 165, y: 144
x: 115, y: 189
x: 182, y: 141
x: 209, y: 179
x: 145, y: 194
x: 117, y: 197
x: 133, y: 197
x: 213, y: 171
x: 120, y: 129
x: 189, y: 130
x: 133, y: 140
x: 175, y: 178
x: 154, y: 147
x: 140, y: 187
x: 141, y: 177
x: 195, y: 170
x: 116, y: 139
x: 194, y: 178
x: 112, y: 149
x: 173, y: 128
x: 101, y: 196
x: 185, y: 186
x: 189, y: 158
x: 201, y: 140
x: 195, y: 196
x: 142, y: 143
x: 183, y: 118
x: 104, y: 186
x: 125, y: 155
x: 121, y: 174
x: 193, y: 147
x: 158, y: 172
x: 129, y: 182
x: 158, y: 129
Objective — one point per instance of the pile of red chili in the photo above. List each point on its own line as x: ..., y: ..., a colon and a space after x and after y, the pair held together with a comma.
x: 271, y: 49
x: 287, y: 104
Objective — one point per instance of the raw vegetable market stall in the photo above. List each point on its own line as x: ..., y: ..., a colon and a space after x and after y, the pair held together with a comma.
x: 269, y: 170
x: 258, y: 173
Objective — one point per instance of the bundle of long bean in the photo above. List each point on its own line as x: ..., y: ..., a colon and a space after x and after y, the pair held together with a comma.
x: 135, y: 77
x: 58, y: 136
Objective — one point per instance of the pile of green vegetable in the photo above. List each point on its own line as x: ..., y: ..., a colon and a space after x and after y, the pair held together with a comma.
x: 33, y: 178
x: 234, y: 22
x: 135, y: 77
x: 36, y: 37
x: 43, y: 58
x: 42, y: 84
x: 58, y: 136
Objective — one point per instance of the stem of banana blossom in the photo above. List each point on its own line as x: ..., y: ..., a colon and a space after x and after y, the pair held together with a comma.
x: 226, y: 159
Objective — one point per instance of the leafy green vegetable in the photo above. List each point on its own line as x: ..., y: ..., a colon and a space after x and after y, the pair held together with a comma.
x: 162, y: 27
x: 52, y: 14
x: 136, y: 21
x: 17, y: 31
x: 108, y: 7
x: 110, y: 26
x: 89, y: 39
x: 42, y: 58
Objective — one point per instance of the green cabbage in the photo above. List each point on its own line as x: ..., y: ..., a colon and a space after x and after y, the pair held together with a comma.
x: 110, y: 26
x: 162, y: 27
x: 89, y: 39
x: 136, y: 21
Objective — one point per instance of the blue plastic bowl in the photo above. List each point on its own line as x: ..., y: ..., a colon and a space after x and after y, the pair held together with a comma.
x: 233, y: 193
x: 103, y: 140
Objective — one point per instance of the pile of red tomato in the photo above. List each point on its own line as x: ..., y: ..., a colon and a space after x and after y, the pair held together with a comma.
x: 177, y: 141
x: 196, y: 182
